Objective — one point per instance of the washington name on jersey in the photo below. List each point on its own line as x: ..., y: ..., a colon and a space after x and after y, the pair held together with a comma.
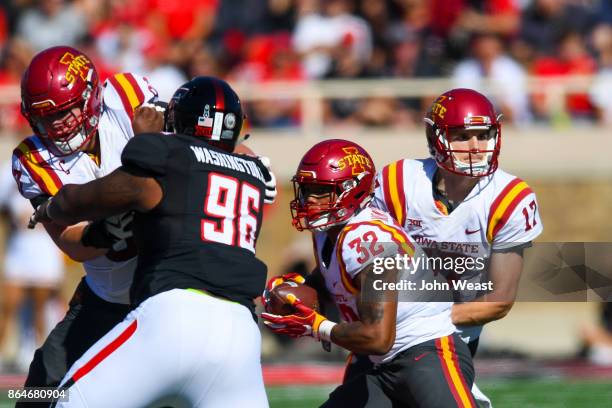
x: 39, y: 172
x: 203, y: 233
x: 368, y: 235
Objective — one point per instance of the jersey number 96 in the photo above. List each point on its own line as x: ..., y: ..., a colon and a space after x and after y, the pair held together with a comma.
x: 232, y: 207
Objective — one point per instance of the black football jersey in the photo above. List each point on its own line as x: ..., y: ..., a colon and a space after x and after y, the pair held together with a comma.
x: 203, y: 233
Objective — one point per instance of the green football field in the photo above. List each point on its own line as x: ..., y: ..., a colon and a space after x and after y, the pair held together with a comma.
x: 524, y: 393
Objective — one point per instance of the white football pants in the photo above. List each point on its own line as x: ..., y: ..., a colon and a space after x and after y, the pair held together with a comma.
x: 180, y: 348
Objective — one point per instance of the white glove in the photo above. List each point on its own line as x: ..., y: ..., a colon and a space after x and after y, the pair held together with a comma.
x: 271, y: 192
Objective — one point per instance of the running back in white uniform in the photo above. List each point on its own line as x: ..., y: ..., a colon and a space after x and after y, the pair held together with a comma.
x: 38, y: 171
x: 500, y: 212
x: 366, y: 236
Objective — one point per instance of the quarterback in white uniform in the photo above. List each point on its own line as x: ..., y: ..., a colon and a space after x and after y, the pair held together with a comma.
x: 416, y: 355
x: 80, y: 129
x: 459, y: 204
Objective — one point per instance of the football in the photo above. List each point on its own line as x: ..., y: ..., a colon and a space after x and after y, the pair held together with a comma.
x: 276, y: 301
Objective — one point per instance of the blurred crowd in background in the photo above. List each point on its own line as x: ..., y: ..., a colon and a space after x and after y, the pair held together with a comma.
x: 469, y: 41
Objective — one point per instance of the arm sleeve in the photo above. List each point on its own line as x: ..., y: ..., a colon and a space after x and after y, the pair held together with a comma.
x: 146, y: 155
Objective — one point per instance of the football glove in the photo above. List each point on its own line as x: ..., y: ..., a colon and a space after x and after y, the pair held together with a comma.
x: 41, y: 214
x: 270, y: 181
x: 119, y: 227
x: 304, y: 322
x: 112, y: 232
x: 277, y: 280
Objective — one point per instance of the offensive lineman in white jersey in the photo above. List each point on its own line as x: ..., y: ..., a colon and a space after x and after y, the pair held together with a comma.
x: 80, y: 129
x: 418, y: 360
x: 458, y: 203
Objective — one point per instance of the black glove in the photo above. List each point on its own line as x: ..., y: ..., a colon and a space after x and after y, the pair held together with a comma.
x: 112, y: 232
x: 41, y: 214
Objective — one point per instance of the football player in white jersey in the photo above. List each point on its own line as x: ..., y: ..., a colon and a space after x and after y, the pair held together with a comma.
x: 458, y: 203
x: 417, y: 359
x: 80, y: 128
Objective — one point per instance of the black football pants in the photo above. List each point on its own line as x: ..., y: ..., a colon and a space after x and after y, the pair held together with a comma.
x: 435, y: 374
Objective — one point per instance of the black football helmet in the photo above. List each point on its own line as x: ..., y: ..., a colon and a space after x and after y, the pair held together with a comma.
x: 207, y: 108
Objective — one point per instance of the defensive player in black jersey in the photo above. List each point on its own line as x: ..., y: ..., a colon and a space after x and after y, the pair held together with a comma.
x: 192, y: 338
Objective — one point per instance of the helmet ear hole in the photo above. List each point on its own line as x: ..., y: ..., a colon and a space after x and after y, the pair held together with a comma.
x: 348, y: 184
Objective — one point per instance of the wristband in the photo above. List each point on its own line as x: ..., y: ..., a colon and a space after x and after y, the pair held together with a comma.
x: 325, y: 329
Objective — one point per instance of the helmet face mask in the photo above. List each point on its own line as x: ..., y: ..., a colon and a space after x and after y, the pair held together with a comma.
x: 464, y: 110
x: 333, y: 182
x: 316, y: 205
x: 62, y: 98
x: 209, y: 109
x: 64, y: 129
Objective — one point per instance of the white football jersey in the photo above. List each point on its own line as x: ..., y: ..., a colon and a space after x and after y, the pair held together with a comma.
x: 500, y: 212
x: 38, y: 171
x: 373, y: 233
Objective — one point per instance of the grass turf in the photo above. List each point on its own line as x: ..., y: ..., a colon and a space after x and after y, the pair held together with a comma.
x: 524, y: 393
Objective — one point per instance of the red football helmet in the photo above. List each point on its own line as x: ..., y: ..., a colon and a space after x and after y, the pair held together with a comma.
x: 339, y: 168
x: 463, y: 109
x: 61, y: 97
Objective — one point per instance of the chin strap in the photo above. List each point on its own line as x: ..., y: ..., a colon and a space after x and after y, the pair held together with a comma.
x: 473, y: 169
